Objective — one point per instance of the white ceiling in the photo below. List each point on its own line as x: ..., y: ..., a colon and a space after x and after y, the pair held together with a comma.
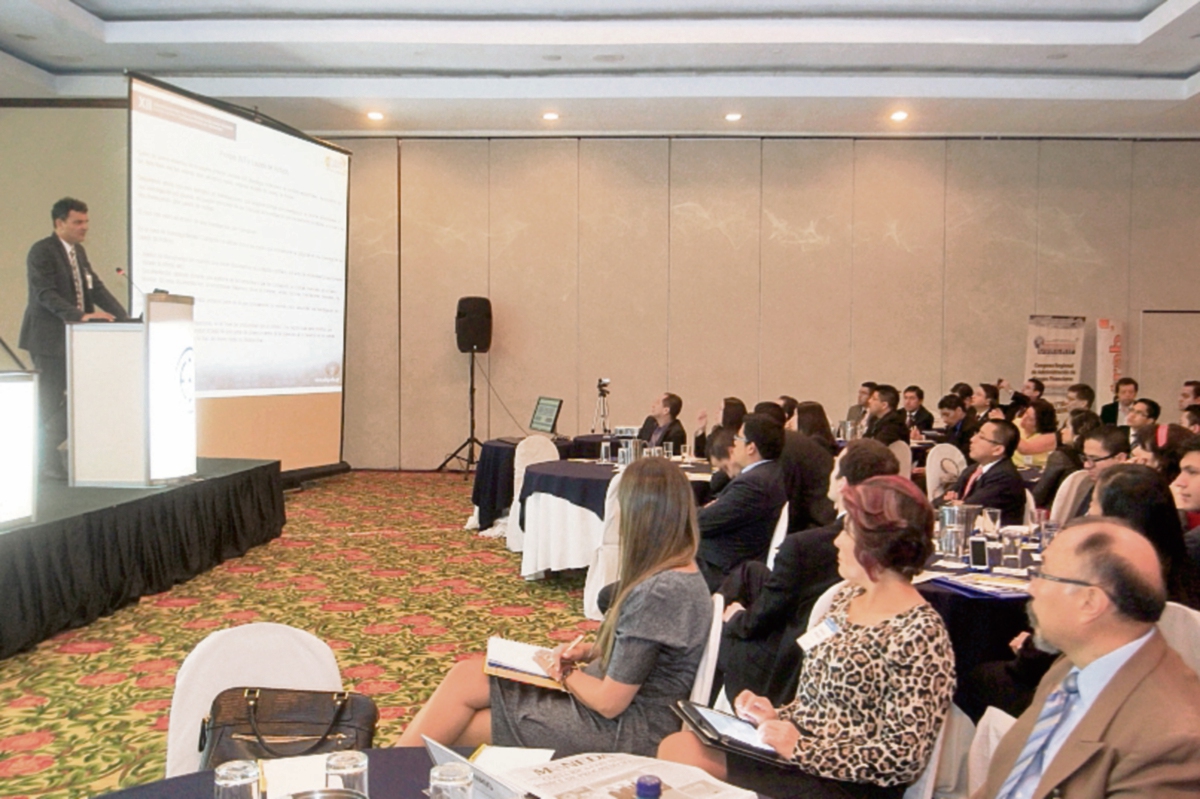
x: 642, y: 67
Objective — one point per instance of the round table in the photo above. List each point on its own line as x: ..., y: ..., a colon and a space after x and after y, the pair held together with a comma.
x: 492, y: 493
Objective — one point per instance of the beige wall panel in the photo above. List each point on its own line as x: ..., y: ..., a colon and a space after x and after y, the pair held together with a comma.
x: 623, y: 235
x: 714, y: 303
x: 991, y: 260
x: 1083, y: 234
x: 535, y: 279
x: 443, y: 256
x: 899, y: 226
x: 807, y: 207
x: 1165, y: 236
x: 372, y: 387
x: 46, y: 154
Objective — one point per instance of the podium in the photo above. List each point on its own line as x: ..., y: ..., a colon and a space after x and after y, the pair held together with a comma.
x: 18, y: 448
x: 131, y: 407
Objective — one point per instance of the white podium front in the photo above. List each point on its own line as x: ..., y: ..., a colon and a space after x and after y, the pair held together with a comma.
x: 131, y: 408
x: 18, y: 448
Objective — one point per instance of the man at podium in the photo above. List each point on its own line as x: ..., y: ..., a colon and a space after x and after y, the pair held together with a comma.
x: 62, y: 288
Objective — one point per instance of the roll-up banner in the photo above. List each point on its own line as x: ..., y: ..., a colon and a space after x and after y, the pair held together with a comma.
x: 1110, y: 357
x: 1054, y: 354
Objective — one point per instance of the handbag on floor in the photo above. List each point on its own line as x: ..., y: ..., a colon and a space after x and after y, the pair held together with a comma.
x: 262, y: 723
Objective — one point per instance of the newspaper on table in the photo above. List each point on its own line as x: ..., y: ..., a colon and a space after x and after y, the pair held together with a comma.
x: 614, y: 776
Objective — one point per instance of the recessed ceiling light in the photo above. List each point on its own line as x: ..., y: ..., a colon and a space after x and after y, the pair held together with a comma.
x: 732, y: 117
x: 609, y: 58
x: 29, y: 37
x: 167, y: 54
x: 552, y: 58
x: 375, y: 115
x: 1056, y: 56
x: 549, y: 116
x: 899, y: 116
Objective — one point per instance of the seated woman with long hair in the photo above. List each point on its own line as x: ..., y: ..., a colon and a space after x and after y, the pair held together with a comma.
x: 645, y: 657
x: 872, y: 696
x: 813, y: 422
x: 1066, y: 459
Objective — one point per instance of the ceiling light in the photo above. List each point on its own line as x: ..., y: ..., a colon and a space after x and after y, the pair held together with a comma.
x: 899, y: 116
x: 29, y: 37
x: 375, y: 115
x: 549, y: 116
x: 732, y: 117
x: 609, y: 58
x: 552, y: 58
x: 1056, y: 56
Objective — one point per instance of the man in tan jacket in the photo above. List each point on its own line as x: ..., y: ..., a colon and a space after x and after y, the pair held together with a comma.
x: 1119, y: 714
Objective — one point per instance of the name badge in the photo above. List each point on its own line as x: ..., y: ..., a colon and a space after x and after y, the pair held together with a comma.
x: 818, y: 635
x: 88, y: 279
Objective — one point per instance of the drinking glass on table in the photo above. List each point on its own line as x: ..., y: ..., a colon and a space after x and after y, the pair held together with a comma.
x: 991, y: 522
x: 236, y: 779
x: 605, y: 452
x: 685, y: 452
x: 347, y: 770
x: 450, y: 781
x: 669, y: 449
x: 954, y: 539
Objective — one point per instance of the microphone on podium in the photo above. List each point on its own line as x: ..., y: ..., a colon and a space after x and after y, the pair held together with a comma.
x: 120, y: 270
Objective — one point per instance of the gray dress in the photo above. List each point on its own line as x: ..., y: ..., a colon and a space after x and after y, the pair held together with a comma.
x: 660, y: 638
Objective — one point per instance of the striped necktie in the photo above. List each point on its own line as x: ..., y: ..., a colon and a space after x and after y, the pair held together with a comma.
x: 76, y: 278
x: 1029, y: 767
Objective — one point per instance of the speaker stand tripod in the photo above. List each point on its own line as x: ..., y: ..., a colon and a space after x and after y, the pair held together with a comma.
x: 469, y: 445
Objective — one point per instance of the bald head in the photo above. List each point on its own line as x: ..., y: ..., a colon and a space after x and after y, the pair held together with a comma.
x: 1122, y: 562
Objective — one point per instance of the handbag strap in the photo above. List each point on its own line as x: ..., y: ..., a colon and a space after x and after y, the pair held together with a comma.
x: 341, y: 698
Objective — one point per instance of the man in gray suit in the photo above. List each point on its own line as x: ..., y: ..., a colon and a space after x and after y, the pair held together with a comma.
x: 62, y: 288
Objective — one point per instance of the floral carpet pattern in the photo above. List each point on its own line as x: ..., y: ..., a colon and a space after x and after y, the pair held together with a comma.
x: 374, y: 563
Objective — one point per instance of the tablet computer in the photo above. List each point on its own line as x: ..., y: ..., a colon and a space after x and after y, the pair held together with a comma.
x: 729, y: 732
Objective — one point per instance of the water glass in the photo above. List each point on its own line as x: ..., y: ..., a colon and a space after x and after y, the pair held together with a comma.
x: 450, y: 781
x: 685, y: 452
x: 668, y: 449
x: 990, y: 526
x: 605, y: 452
x: 347, y: 770
x: 1049, y: 530
x: 1011, y: 538
x: 954, y: 539
x: 656, y: 452
x: 236, y: 779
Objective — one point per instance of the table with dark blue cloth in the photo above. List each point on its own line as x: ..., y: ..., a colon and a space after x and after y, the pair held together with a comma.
x: 400, y: 773
x: 493, y: 489
x: 583, y: 484
x: 588, y: 446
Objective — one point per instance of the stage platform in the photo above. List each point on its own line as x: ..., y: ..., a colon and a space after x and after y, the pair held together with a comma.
x: 92, y: 551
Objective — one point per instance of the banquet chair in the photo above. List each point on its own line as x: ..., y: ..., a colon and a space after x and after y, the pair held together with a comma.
x: 943, y: 465
x: 993, y: 725
x: 532, y: 449
x: 778, y: 536
x: 264, y: 655
x: 903, y: 452
x: 1030, y: 509
x: 1070, y: 491
x: 606, y: 559
x: 821, y: 606
x: 1180, y: 625
x: 703, y: 684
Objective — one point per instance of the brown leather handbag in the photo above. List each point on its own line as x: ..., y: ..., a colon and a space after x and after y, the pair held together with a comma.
x: 262, y: 723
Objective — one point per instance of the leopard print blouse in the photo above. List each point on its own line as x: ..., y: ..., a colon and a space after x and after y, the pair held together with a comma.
x: 872, y: 699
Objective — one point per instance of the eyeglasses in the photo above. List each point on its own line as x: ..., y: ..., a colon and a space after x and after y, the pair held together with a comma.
x: 740, y: 438
x: 1092, y: 461
x: 1039, y: 573
x: 989, y: 440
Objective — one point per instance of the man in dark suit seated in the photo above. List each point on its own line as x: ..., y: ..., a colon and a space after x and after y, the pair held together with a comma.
x: 737, y: 525
x: 767, y: 609
x: 887, y: 422
x: 1105, y: 446
x: 916, y: 415
x: 954, y: 417
x: 993, y: 481
x: 662, y: 425
x: 1115, y: 412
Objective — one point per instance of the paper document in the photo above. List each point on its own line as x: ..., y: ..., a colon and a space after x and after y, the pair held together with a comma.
x: 513, y: 660
x: 604, y: 776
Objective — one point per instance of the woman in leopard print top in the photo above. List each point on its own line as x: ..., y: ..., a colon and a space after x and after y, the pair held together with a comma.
x: 874, y: 694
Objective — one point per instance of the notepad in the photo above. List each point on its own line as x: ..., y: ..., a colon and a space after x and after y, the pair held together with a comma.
x: 513, y: 660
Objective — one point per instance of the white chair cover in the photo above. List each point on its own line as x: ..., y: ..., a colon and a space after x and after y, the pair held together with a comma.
x: 991, y: 728
x: 606, y: 559
x: 532, y: 449
x: 778, y: 536
x: 1070, y: 492
x: 945, y: 776
x: 1030, y: 507
x: 903, y: 452
x: 702, y: 686
x: 943, y: 466
x: 263, y: 655
x: 821, y: 606
x: 1180, y: 625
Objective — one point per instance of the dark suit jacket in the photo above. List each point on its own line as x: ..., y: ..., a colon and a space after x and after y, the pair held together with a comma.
x: 674, y: 433
x: 1108, y: 413
x: 892, y: 426
x: 758, y: 646
x: 923, y: 418
x: 804, y: 466
x: 999, y: 487
x: 737, y: 525
x: 1138, y: 738
x: 960, y: 436
x: 52, y: 297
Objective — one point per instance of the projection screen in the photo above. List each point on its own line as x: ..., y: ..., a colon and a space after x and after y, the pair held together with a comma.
x: 250, y: 218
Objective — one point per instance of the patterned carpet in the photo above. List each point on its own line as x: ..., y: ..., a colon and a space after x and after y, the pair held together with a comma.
x: 374, y: 563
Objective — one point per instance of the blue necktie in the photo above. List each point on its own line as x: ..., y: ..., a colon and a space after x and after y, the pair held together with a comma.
x: 1029, y: 763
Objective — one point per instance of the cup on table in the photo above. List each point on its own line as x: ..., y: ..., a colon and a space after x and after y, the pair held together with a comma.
x: 347, y: 770
x: 991, y: 522
x: 1011, y: 538
x: 668, y: 449
x: 953, y: 541
x: 605, y: 452
x: 236, y: 779
x: 685, y: 452
x: 656, y: 452
x: 1049, y: 530
x: 450, y: 781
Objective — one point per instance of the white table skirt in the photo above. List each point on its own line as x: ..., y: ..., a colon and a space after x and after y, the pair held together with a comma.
x: 558, y: 535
